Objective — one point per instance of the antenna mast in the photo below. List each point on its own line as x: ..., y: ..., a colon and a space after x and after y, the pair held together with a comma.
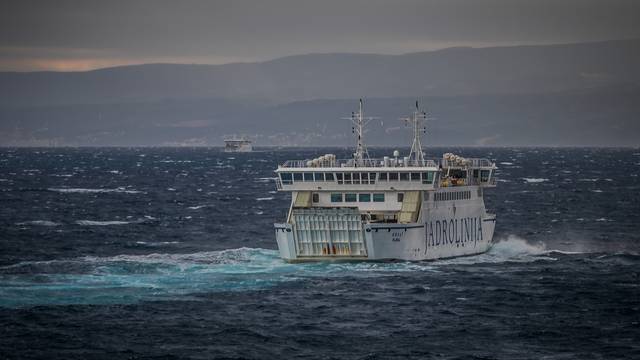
x: 359, y: 122
x: 417, y: 123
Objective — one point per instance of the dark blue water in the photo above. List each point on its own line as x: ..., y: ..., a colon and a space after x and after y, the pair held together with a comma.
x: 170, y: 253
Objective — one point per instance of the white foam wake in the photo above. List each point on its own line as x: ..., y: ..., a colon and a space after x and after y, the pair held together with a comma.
x: 512, y: 248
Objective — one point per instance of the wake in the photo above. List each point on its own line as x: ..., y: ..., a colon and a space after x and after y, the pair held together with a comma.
x: 133, y: 278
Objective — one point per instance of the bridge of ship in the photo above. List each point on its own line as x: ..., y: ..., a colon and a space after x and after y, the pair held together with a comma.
x: 382, y: 174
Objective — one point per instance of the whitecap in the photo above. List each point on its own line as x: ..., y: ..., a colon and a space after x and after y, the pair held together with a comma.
x: 534, y: 180
x: 513, y: 248
x: 506, y: 163
x: 197, y: 207
x: 266, y: 179
x: 101, y: 223
x: 161, y: 243
x: 94, y: 191
x: 265, y: 198
x: 39, y: 223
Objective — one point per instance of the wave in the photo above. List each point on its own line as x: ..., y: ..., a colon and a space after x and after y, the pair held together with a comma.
x: 264, y: 198
x: 94, y: 191
x: 102, y: 223
x: 127, y: 278
x: 509, y: 249
x: 197, y: 207
x: 39, y: 223
x: 534, y: 180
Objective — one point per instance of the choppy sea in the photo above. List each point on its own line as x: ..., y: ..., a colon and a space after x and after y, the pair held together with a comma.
x: 170, y: 253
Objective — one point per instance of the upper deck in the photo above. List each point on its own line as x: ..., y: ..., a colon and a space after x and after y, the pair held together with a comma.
x: 327, y: 173
x: 329, y: 162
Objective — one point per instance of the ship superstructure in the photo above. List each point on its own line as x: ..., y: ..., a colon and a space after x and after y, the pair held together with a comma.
x: 407, y: 208
x: 237, y: 144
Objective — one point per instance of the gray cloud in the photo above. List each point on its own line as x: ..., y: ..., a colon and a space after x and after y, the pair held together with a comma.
x: 81, y: 34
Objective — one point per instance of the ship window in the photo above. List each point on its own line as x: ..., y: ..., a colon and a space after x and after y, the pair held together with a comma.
x: 365, y: 178
x: 356, y: 178
x: 286, y: 178
x: 347, y: 178
x: 484, y: 175
x: 400, y: 197
x: 336, y: 197
x: 364, y: 197
x: 415, y: 176
x: 393, y: 176
x: 339, y: 177
x: 378, y: 197
x: 308, y: 176
x: 427, y: 177
x: 328, y: 176
x: 404, y: 176
x: 315, y: 197
x: 350, y: 198
x: 383, y: 177
x: 318, y: 176
x: 372, y: 178
x: 297, y: 176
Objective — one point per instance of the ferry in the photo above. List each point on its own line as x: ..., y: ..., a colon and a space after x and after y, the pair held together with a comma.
x: 394, y: 208
x: 237, y: 144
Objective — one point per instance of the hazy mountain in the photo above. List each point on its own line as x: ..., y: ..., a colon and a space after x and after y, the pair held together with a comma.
x: 576, y: 94
x: 603, y: 116
x: 455, y: 71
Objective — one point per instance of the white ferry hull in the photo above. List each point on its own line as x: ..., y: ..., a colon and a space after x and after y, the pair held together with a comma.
x: 240, y: 149
x: 445, y: 231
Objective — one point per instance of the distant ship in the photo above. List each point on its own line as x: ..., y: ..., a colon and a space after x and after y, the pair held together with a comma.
x: 237, y: 144
x: 406, y: 208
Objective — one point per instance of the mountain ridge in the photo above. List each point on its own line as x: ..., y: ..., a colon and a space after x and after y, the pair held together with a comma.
x: 453, y: 71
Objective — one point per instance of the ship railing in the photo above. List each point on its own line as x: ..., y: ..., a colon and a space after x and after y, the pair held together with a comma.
x: 447, y: 182
x: 372, y: 163
x: 467, y: 163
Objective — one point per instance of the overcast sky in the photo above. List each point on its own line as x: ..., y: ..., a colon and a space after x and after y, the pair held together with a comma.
x: 81, y: 35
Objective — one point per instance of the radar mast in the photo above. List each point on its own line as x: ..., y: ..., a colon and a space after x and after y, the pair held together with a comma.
x: 417, y: 121
x: 359, y: 122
